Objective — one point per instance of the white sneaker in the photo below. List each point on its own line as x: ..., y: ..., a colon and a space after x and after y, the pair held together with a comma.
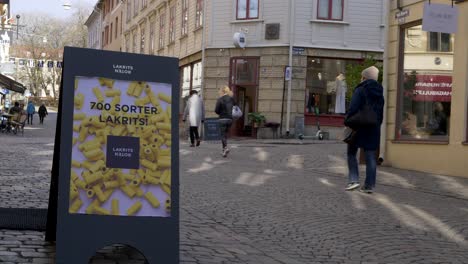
x: 352, y: 186
x: 226, y: 152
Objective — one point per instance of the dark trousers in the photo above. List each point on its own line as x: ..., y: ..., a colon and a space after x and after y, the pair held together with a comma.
x: 194, y: 134
x: 225, y: 125
x: 41, y: 118
x: 30, y: 117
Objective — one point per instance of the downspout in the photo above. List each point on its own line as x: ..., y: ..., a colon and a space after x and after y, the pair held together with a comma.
x: 203, y: 49
x: 383, y: 129
x: 291, y: 43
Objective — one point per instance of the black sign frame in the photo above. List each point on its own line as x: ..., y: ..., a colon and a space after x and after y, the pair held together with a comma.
x: 209, y: 127
x: 79, y: 236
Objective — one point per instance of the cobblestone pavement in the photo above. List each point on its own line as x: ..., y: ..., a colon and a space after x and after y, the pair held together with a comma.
x: 267, y: 203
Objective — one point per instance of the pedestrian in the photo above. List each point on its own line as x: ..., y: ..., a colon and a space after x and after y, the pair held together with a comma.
x: 30, y: 110
x: 369, y: 92
x: 42, y: 113
x: 195, y: 110
x: 223, y: 109
x: 15, y: 109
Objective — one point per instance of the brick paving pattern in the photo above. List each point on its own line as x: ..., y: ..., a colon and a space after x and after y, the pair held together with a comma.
x: 267, y: 203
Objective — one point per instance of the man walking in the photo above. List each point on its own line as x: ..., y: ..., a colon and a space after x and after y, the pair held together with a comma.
x: 30, y: 110
x: 42, y: 113
x: 195, y: 110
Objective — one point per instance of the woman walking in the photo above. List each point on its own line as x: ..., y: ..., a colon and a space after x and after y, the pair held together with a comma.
x: 368, y: 92
x: 42, y: 113
x: 223, y: 108
x: 196, y: 113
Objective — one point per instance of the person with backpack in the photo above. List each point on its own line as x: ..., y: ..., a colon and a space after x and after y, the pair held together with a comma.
x: 224, y: 107
x: 42, y: 113
x: 365, y: 117
x: 30, y: 110
x: 195, y: 110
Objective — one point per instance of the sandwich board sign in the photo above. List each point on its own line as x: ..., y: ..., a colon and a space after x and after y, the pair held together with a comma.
x: 115, y: 171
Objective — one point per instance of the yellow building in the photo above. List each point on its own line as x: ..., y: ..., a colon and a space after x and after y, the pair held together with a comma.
x: 426, y: 108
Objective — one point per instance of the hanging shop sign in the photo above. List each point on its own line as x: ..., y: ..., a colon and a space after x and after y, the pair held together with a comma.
x: 116, y: 156
x: 440, y: 18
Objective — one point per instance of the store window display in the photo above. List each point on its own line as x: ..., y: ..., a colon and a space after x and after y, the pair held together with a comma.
x: 326, y: 85
x: 425, y: 92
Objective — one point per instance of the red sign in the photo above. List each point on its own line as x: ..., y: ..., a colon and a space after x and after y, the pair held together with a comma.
x: 433, y: 88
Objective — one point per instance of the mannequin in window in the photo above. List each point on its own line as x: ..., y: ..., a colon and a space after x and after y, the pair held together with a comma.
x: 340, y: 101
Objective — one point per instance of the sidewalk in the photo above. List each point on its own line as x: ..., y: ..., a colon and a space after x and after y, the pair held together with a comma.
x: 270, y: 203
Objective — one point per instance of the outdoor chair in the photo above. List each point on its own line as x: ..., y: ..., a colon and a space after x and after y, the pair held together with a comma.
x: 18, y: 125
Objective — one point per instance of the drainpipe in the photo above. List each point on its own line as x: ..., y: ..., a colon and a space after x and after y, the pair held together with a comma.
x: 291, y: 43
x: 203, y: 48
x: 383, y: 137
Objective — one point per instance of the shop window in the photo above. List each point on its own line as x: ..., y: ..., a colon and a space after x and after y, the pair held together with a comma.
x: 199, y: 14
x: 439, y: 42
x: 425, y: 89
x: 247, y: 9
x: 326, y: 87
x: 184, y: 27
x: 330, y: 9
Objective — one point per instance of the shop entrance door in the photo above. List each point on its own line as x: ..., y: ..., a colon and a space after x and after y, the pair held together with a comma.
x: 244, y: 83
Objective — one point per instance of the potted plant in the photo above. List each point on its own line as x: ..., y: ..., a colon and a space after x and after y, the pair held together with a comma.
x: 257, y: 119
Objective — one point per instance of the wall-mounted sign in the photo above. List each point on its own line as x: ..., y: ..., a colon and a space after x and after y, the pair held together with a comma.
x: 288, y: 73
x: 116, y: 156
x: 298, y: 51
x: 440, y: 18
x: 401, y: 15
x: 240, y: 40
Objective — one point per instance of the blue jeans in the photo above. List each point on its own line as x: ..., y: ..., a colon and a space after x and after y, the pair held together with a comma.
x: 371, y: 166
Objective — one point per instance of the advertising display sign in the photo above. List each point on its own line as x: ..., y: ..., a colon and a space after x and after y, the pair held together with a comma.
x: 118, y: 162
x: 212, y: 130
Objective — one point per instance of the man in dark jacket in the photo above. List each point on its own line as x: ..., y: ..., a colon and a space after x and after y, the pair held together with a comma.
x: 367, y: 138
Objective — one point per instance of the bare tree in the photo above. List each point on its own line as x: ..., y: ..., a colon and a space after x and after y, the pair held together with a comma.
x: 42, y: 40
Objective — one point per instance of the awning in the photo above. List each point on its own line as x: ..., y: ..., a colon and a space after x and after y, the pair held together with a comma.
x: 11, y: 84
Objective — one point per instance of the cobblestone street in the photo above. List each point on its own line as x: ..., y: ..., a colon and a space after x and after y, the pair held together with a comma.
x: 266, y: 203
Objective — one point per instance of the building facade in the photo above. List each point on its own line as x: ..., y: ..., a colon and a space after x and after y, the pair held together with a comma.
x: 112, y: 24
x: 247, y: 44
x: 426, y: 115
x: 94, y: 25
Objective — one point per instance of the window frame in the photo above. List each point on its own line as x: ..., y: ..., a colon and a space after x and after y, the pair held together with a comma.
x: 199, y: 14
x: 439, y: 43
x: 144, y: 4
x: 162, y: 25
x: 184, y: 23
x: 135, y: 8
x: 129, y: 11
x: 330, y: 11
x: 247, y: 14
x: 152, y: 31
x: 116, y: 27
x: 142, y: 38
x: 134, y: 41
x: 400, y: 84
x: 172, y: 24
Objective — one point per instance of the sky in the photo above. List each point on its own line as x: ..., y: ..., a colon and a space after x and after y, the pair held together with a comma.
x: 53, y: 8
